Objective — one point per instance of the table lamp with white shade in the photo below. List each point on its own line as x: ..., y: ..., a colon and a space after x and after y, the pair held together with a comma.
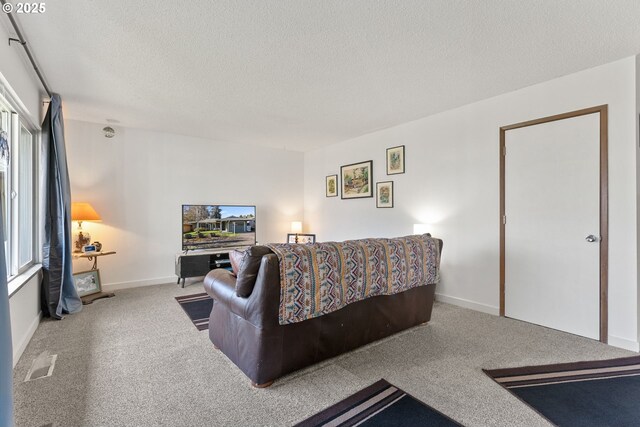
x: 296, y: 228
x: 421, y: 228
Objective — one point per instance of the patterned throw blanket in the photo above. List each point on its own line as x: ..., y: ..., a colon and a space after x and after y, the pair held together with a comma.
x: 320, y: 278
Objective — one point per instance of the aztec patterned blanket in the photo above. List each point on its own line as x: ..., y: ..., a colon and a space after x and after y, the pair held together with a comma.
x: 321, y: 278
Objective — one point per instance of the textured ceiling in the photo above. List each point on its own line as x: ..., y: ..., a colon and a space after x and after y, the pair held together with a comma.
x: 300, y: 74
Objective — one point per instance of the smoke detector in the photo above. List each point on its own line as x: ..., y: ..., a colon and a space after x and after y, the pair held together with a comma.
x: 109, y: 132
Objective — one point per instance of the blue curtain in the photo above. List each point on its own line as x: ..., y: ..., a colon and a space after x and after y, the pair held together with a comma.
x: 59, y: 295
x: 6, y: 352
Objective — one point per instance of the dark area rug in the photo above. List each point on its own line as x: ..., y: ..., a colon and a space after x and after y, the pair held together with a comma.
x: 599, y: 393
x: 380, y: 404
x: 198, y: 308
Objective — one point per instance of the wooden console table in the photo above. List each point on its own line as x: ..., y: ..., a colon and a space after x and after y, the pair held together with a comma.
x: 93, y: 256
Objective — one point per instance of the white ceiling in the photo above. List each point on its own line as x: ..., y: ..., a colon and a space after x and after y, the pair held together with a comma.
x: 299, y: 74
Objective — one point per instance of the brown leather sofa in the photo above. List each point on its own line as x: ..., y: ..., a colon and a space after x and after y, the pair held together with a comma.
x: 247, y: 331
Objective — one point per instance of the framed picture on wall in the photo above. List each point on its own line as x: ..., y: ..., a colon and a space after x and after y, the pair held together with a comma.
x: 87, y: 282
x: 332, y: 186
x: 395, y: 160
x: 384, y: 194
x: 304, y: 239
x: 357, y: 180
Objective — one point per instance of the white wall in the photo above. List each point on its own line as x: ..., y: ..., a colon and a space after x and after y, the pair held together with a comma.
x: 452, y: 183
x: 25, y: 313
x: 16, y: 69
x: 138, y: 181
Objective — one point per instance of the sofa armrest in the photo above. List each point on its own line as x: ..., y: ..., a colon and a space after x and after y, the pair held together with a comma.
x: 220, y: 284
x: 263, y: 304
x: 261, y: 307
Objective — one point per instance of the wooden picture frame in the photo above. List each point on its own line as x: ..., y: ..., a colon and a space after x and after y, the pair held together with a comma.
x: 331, y: 186
x: 305, y: 239
x: 87, y: 282
x: 395, y: 160
x: 384, y: 194
x: 357, y: 180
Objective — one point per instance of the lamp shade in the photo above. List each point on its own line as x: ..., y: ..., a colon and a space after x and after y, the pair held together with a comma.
x: 421, y: 228
x: 296, y: 227
x: 81, y: 211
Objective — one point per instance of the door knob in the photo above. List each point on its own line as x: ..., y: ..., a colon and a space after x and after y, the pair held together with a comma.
x: 591, y: 238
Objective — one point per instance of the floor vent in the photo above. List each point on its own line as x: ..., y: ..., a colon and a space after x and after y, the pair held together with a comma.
x: 42, y: 367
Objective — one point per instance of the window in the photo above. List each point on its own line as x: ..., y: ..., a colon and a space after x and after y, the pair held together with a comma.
x: 5, y: 134
x: 17, y: 190
x: 25, y: 198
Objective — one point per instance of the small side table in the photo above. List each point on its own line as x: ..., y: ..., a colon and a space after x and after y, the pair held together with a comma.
x: 93, y: 256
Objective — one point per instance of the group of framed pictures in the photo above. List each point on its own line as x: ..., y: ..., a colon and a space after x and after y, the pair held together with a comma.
x: 357, y: 179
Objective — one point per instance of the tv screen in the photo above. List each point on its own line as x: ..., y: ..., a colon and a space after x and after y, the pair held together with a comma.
x: 218, y: 226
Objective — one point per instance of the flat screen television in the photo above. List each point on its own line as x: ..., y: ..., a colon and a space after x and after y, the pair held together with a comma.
x: 218, y: 226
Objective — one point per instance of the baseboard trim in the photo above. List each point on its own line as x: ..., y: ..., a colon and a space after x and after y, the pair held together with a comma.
x: 624, y: 343
x: 139, y: 283
x: 461, y: 302
x: 17, y: 352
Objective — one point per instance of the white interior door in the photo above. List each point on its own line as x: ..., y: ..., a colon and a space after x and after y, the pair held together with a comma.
x: 552, y: 181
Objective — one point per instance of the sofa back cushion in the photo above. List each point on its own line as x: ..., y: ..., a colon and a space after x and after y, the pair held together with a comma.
x: 248, y: 270
x: 236, y: 258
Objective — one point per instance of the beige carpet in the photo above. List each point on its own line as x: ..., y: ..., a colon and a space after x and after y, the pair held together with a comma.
x: 137, y: 360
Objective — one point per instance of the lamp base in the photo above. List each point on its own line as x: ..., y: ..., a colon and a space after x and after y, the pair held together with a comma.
x: 80, y: 239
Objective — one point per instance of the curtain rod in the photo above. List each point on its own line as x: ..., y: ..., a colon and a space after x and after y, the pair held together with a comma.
x: 23, y: 42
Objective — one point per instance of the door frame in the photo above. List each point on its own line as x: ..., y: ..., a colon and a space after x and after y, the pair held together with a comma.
x: 604, y: 205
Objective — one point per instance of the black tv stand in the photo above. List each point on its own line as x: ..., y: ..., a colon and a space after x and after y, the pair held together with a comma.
x: 199, y: 263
